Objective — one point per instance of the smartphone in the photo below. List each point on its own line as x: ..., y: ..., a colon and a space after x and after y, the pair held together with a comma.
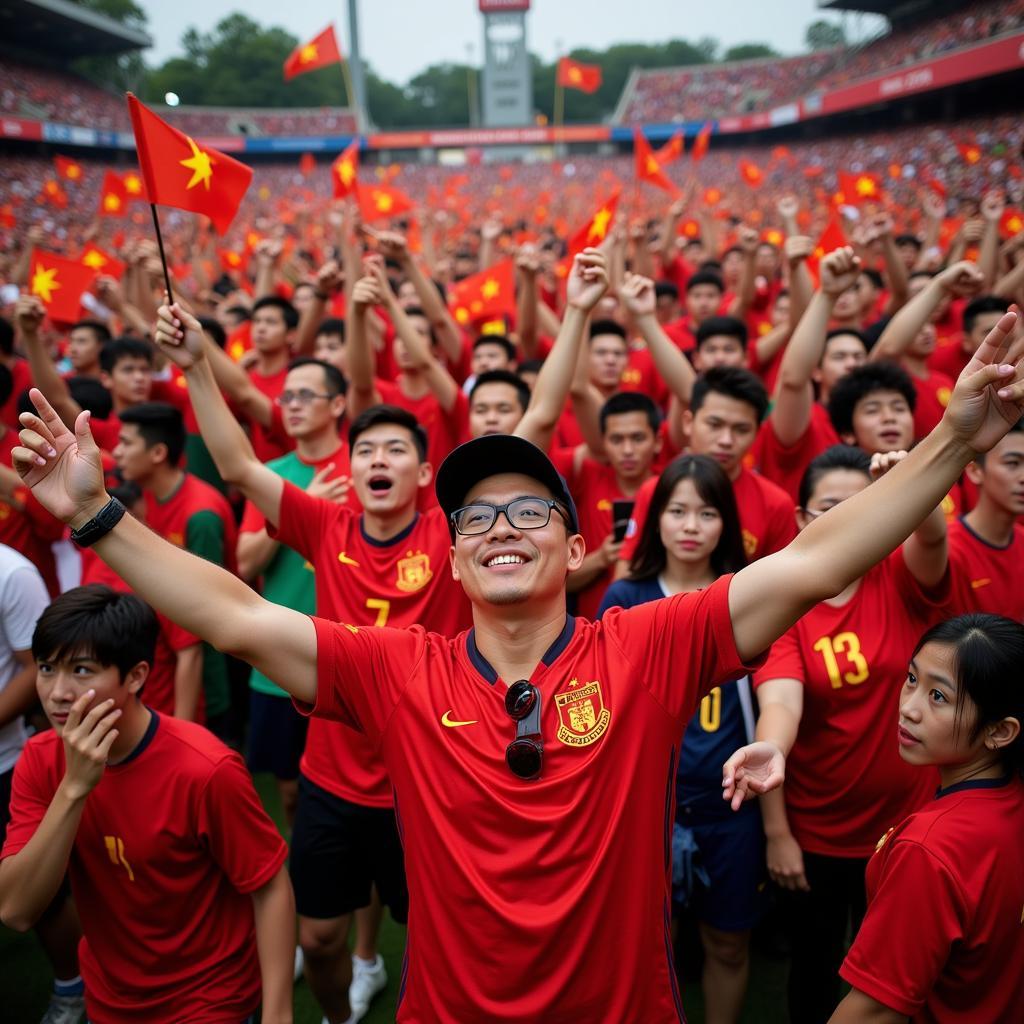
x: 622, y: 509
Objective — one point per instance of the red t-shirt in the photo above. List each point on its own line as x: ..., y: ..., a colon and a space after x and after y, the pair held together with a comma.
x: 845, y: 780
x: 942, y: 939
x: 784, y: 465
x: 986, y: 578
x: 642, y: 375
x: 766, y: 516
x: 564, y: 879
x: 159, y: 688
x: 106, y: 433
x: 170, y: 846
x: 21, y: 377
x: 269, y: 444
x: 933, y: 393
x: 32, y: 530
x: 445, y: 430
x: 683, y: 333
x: 401, y: 582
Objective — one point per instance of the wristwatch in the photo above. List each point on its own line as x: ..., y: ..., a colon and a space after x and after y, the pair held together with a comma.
x: 100, y: 525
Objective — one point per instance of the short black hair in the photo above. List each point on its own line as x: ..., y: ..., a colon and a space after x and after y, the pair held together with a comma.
x: 1017, y: 428
x: 608, y: 327
x: 862, y: 381
x: 874, y: 276
x: 101, y: 332
x: 241, y: 312
x: 6, y: 337
x: 733, y: 382
x: 839, y: 456
x: 729, y: 326
x: 378, y: 414
x: 124, y: 348
x: 905, y: 238
x: 332, y: 325
x: 334, y: 379
x: 705, y: 276
x: 529, y: 366
x: 497, y: 339
x: 503, y: 377
x: 288, y: 311
x: 981, y: 305
x: 623, y: 402
x: 99, y: 623
x: 663, y: 289
x: 836, y: 332
x: 215, y: 329
x: 159, y: 423
x: 90, y: 394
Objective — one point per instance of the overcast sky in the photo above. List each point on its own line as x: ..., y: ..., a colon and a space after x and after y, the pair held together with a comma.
x: 401, y: 37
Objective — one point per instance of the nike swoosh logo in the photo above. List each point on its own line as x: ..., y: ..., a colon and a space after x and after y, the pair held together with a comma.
x: 451, y: 723
x: 975, y: 584
x: 345, y: 560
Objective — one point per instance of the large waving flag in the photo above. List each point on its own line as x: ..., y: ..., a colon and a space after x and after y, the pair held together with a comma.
x: 574, y: 75
x: 178, y: 172
x: 59, y: 284
x: 380, y: 201
x: 320, y: 51
x: 488, y: 294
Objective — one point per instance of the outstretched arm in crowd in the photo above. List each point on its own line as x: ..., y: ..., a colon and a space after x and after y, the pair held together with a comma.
x: 769, y: 595
x: 794, y: 392
x: 588, y: 281
x: 992, y: 207
x: 362, y: 390
x: 29, y: 314
x: 201, y: 597
x: 527, y: 268
x: 328, y: 283
x: 961, y: 279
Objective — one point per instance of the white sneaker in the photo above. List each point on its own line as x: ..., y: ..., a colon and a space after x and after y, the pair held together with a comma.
x: 367, y: 983
x: 64, y: 1010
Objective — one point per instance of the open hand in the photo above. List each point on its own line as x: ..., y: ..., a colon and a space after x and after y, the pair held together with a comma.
x: 754, y: 769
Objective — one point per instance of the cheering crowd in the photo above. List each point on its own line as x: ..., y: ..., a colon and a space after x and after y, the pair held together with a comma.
x: 666, y: 575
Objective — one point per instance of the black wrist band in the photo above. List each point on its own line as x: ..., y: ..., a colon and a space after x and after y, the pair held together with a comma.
x: 100, y: 525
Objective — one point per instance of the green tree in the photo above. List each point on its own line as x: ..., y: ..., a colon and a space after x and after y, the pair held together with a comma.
x: 749, y: 51
x: 824, y: 35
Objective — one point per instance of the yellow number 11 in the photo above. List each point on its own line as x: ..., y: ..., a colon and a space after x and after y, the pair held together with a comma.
x: 843, y: 643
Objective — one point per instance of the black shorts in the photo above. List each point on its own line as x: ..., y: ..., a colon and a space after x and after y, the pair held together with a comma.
x: 340, y: 850
x: 277, y: 735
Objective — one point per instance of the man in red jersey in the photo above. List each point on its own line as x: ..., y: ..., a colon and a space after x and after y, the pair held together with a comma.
x: 386, y: 565
x: 189, y: 513
x: 177, y: 871
x: 978, y: 317
x: 531, y: 757
x: 986, y: 546
x: 273, y: 323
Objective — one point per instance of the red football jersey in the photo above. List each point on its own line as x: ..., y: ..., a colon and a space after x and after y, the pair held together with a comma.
x: 269, y: 443
x: 933, y: 394
x: 845, y: 780
x: 949, y: 356
x: 986, y: 578
x: 402, y: 582
x: 642, y: 375
x: 784, y: 465
x: 32, y: 530
x: 171, y: 843
x: 445, y: 430
x: 942, y: 939
x: 21, y: 381
x: 564, y: 880
x: 766, y: 516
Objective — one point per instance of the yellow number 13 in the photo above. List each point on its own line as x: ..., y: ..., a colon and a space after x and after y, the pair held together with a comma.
x: 843, y: 643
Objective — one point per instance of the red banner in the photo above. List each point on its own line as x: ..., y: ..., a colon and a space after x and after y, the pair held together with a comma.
x: 19, y: 128
x: 460, y: 137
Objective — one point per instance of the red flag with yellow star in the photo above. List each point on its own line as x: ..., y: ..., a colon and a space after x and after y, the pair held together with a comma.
x: 647, y: 166
x: 378, y: 202
x: 134, y: 187
x: 178, y: 172
x: 68, y: 169
x: 701, y: 143
x: 751, y: 173
x: 832, y: 237
x: 101, y: 262
x: 320, y: 51
x: 574, y: 75
x: 671, y: 151
x: 596, y: 229
x: 859, y: 188
x: 344, y: 171
x: 113, y: 197
x: 52, y: 193
x: 58, y: 283
x: 1011, y: 222
x: 969, y: 152
x: 484, y: 296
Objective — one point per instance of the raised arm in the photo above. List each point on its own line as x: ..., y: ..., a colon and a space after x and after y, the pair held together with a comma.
x: 769, y: 595
x: 794, y: 392
x: 328, y: 282
x: 362, y: 391
x: 65, y: 473
x: 587, y: 282
x: 992, y: 207
x: 28, y: 316
x: 748, y: 282
x: 962, y: 278
x: 527, y: 267
x: 895, y: 269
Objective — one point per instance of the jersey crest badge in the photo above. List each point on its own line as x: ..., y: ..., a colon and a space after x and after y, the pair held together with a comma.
x: 881, y: 842
x: 413, y: 572
x: 749, y: 543
x: 582, y: 716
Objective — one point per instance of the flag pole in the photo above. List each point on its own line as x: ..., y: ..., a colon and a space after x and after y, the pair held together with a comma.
x: 163, y: 255
x: 350, y: 91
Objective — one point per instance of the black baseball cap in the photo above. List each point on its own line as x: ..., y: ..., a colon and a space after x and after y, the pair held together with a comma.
x: 490, y: 455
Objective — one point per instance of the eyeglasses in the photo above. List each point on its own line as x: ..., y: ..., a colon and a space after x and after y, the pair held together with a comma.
x: 523, y: 514
x: 303, y: 396
x: 525, y: 754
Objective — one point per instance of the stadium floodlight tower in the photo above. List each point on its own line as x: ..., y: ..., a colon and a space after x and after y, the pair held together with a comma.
x: 507, y: 82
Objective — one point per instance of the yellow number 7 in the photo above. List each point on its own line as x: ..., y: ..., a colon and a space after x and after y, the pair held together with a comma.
x: 381, y: 607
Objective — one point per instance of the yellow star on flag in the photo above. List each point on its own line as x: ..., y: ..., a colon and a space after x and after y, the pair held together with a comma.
x: 200, y: 164
x: 45, y: 283
x: 74, y: 172
x: 94, y: 259
x: 52, y: 188
x: 462, y: 315
x: 575, y: 75
x: 490, y: 288
x: 347, y: 172
x: 133, y: 184
x: 383, y: 201
x: 308, y: 54
x: 599, y: 225
x: 1014, y: 223
x: 111, y: 203
x: 653, y: 167
x: 865, y: 187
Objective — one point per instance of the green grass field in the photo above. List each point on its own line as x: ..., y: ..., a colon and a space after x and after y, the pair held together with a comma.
x: 25, y: 977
